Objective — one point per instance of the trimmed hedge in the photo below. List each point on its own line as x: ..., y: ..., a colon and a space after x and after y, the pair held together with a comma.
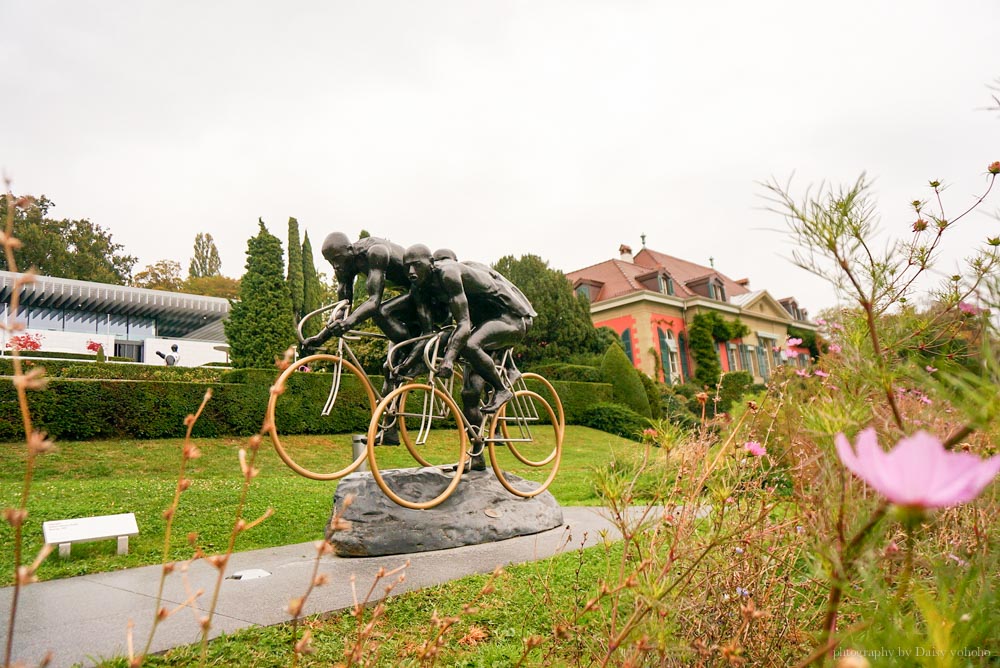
x: 628, y: 389
x: 71, y: 369
x: 572, y: 372
x: 81, y: 409
x: 615, y: 419
x: 69, y: 356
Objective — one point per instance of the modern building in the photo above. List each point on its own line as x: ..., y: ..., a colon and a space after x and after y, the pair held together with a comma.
x: 650, y: 299
x: 70, y: 316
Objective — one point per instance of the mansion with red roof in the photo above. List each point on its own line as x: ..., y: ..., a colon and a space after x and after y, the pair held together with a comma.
x: 650, y: 298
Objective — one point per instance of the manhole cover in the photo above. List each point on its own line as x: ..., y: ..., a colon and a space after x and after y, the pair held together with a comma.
x: 249, y: 574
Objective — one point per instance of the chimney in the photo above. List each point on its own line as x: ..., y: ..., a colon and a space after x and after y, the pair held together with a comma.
x: 744, y: 282
x: 625, y: 252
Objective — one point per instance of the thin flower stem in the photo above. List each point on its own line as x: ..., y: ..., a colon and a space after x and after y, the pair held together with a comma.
x: 848, y: 555
x: 22, y: 401
x: 170, y: 520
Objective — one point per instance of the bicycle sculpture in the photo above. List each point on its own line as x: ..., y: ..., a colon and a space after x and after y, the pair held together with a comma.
x: 524, y: 430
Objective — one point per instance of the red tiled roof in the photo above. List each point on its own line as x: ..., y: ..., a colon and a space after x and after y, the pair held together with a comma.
x: 620, y: 277
x: 684, y: 271
x: 617, y: 276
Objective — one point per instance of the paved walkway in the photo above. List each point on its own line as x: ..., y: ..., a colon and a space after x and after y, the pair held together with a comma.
x: 83, y: 619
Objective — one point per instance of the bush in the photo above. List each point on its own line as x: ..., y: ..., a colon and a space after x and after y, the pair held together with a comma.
x: 571, y: 372
x: 619, y: 372
x: 677, y: 408
x: 577, y: 398
x: 615, y: 419
x: 733, y: 386
x: 652, y: 394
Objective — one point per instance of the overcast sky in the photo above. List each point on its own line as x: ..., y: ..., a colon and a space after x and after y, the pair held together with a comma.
x: 562, y: 128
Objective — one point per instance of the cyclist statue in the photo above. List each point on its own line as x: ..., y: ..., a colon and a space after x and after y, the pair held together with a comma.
x: 381, y: 262
x: 490, y: 314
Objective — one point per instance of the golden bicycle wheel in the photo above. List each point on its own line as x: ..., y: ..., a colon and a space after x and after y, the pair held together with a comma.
x: 525, y: 440
x: 347, y: 399
x: 534, y: 416
x: 445, y: 449
x: 438, y: 413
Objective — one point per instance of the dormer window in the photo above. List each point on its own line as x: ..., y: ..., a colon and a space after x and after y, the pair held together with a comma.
x: 665, y: 284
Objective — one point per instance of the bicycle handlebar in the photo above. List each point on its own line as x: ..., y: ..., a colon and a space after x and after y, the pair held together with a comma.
x: 339, y: 310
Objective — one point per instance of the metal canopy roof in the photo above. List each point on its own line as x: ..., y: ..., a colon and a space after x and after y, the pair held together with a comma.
x: 176, y: 313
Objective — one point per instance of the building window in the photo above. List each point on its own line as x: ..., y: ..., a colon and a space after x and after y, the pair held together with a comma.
x: 711, y: 290
x: 721, y: 292
x: 665, y: 284
x: 734, y: 362
x: 583, y: 291
x: 45, y: 318
x: 627, y: 344
x: 84, y: 322
x: 669, y: 356
x: 762, y: 365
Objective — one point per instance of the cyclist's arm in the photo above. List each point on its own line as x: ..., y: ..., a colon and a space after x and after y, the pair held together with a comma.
x: 378, y: 261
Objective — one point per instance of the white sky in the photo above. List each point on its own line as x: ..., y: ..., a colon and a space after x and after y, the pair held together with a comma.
x: 556, y: 127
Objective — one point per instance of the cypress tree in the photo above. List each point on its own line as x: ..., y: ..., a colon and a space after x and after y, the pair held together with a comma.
x: 295, y: 278
x: 312, y: 289
x: 260, y: 325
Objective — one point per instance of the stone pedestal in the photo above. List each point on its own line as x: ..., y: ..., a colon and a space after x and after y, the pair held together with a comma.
x: 480, y: 510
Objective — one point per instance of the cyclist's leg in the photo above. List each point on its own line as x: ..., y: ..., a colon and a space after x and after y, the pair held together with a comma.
x: 472, y: 393
x: 501, y: 332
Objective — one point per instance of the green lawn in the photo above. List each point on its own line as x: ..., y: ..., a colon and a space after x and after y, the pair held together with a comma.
x: 106, y: 477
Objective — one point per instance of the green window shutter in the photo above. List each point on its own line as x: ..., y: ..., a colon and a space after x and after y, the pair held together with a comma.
x: 762, y: 362
x: 664, y: 356
x: 627, y: 344
x: 682, y: 350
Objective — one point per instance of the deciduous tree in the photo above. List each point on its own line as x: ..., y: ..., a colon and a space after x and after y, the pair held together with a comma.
x: 161, y: 275
x: 212, y: 286
x: 76, y: 249
x: 563, y: 327
x: 205, y: 261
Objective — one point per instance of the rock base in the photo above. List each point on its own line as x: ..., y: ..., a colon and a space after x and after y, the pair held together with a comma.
x: 479, y: 511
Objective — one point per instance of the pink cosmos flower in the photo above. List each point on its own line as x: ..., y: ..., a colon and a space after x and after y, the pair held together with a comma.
x: 802, y: 372
x: 821, y: 373
x: 834, y: 348
x: 754, y: 448
x: 968, y: 309
x: 793, y: 342
x: 930, y: 369
x: 918, y: 472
